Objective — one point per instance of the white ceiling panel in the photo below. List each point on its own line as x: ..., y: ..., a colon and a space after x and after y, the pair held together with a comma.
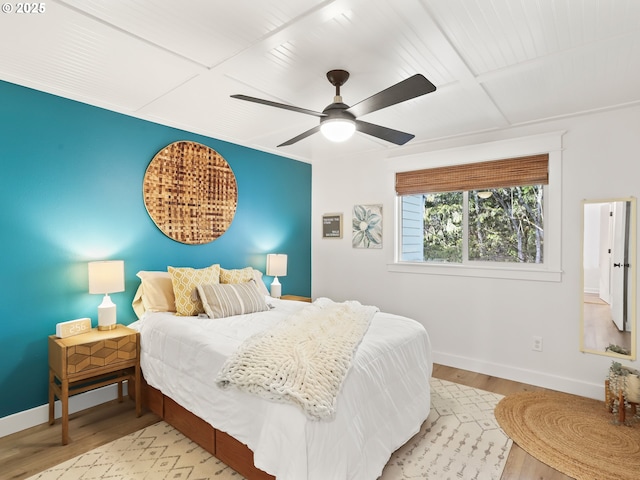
x: 65, y: 53
x: 444, y: 113
x: 495, y: 34
x: 495, y: 63
x: 207, y: 32
x: 291, y: 66
x: 571, y: 82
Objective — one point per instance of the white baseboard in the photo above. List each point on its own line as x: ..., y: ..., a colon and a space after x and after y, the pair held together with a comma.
x: 532, y: 377
x: 39, y: 415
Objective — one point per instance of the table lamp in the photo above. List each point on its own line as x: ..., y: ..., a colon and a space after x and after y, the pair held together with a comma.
x: 276, y: 267
x: 106, y: 277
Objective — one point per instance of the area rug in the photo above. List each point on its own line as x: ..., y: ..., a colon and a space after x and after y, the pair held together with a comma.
x: 574, y: 435
x: 460, y: 440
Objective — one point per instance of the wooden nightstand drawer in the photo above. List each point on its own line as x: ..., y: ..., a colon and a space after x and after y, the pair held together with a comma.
x: 80, y: 355
x: 100, y: 354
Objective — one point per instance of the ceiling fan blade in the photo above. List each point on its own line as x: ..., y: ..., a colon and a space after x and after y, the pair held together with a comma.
x: 412, y: 87
x: 279, y: 105
x: 388, y: 134
x: 301, y: 136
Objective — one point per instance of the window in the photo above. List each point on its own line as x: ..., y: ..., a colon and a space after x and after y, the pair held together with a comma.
x: 484, y: 214
x: 507, y: 224
x: 441, y: 217
x: 496, y: 225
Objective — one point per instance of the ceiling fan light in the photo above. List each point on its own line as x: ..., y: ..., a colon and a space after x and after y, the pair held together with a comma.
x: 338, y: 129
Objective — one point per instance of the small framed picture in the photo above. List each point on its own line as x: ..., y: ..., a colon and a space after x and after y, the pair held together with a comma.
x: 332, y: 225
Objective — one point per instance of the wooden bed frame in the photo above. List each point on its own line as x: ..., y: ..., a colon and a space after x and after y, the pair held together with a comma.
x: 220, y: 444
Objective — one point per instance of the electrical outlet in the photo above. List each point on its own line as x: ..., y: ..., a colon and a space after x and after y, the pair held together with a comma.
x: 536, y: 345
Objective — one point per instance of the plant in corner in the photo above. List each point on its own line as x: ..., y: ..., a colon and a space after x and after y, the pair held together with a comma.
x: 622, y: 391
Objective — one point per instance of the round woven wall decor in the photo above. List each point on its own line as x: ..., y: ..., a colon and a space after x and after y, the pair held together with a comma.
x: 190, y: 192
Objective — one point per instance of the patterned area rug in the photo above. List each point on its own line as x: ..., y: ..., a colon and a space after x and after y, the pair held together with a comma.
x: 460, y: 440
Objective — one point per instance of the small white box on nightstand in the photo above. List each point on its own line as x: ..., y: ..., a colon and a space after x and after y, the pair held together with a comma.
x: 73, y: 327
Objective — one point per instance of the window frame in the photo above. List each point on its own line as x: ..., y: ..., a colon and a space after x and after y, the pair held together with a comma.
x: 550, y: 270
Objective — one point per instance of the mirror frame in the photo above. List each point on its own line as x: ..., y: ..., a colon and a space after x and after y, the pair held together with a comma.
x: 631, y: 306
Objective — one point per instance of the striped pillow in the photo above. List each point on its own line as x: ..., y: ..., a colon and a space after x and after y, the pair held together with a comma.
x: 226, y: 300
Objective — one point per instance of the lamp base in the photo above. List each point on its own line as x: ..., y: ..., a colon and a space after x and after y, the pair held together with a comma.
x: 107, y: 314
x: 107, y: 327
x: 276, y: 288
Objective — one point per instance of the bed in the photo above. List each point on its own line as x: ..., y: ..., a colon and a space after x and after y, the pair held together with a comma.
x: 381, y: 403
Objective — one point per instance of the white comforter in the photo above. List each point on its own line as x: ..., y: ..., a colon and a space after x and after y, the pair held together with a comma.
x: 384, y: 399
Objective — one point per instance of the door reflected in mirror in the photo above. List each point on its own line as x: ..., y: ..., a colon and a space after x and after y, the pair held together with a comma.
x: 609, y: 278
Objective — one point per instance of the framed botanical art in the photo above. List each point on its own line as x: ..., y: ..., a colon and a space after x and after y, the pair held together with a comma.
x: 367, y: 226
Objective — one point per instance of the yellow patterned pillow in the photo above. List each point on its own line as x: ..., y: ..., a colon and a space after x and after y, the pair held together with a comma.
x: 185, y: 283
x: 240, y: 275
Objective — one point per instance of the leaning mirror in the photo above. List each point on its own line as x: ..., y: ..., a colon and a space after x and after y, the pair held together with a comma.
x: 609, y: 277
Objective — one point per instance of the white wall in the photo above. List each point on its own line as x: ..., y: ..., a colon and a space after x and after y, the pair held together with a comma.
x: 485, y: 324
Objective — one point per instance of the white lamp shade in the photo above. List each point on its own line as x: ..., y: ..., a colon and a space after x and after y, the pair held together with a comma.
x: 338, y: 129
x: 106, y: 276
x: 276, y: 265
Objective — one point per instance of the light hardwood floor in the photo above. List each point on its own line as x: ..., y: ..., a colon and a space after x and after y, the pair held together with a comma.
x: 599, y: 329
x: 26, y: 453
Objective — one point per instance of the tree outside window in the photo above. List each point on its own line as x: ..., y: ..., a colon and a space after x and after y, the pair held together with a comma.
x: 507, y: 226
x: 443, y: 227
x: 497, y: 225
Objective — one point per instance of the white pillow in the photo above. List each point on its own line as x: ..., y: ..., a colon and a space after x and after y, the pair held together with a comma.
x: 157, y: 291
x: 257, y: 276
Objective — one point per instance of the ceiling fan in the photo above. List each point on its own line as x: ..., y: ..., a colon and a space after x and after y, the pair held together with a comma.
x: 338, y: 121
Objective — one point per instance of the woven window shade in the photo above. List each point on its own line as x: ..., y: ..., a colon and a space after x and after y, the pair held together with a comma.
x: 510, y: 172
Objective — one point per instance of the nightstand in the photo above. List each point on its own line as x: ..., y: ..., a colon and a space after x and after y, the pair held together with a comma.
x: 92, y: 360
x: 296, y: 298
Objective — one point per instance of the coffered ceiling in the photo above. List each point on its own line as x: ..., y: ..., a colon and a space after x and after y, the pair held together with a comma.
x: 495, y: 63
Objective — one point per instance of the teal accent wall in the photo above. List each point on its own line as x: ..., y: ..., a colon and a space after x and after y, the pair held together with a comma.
x: 71, y: 192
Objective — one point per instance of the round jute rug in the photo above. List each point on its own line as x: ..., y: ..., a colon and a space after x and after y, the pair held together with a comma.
x: 572, y: 434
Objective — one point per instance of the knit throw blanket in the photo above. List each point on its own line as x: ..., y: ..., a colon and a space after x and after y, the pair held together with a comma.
x: 303, y: 359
